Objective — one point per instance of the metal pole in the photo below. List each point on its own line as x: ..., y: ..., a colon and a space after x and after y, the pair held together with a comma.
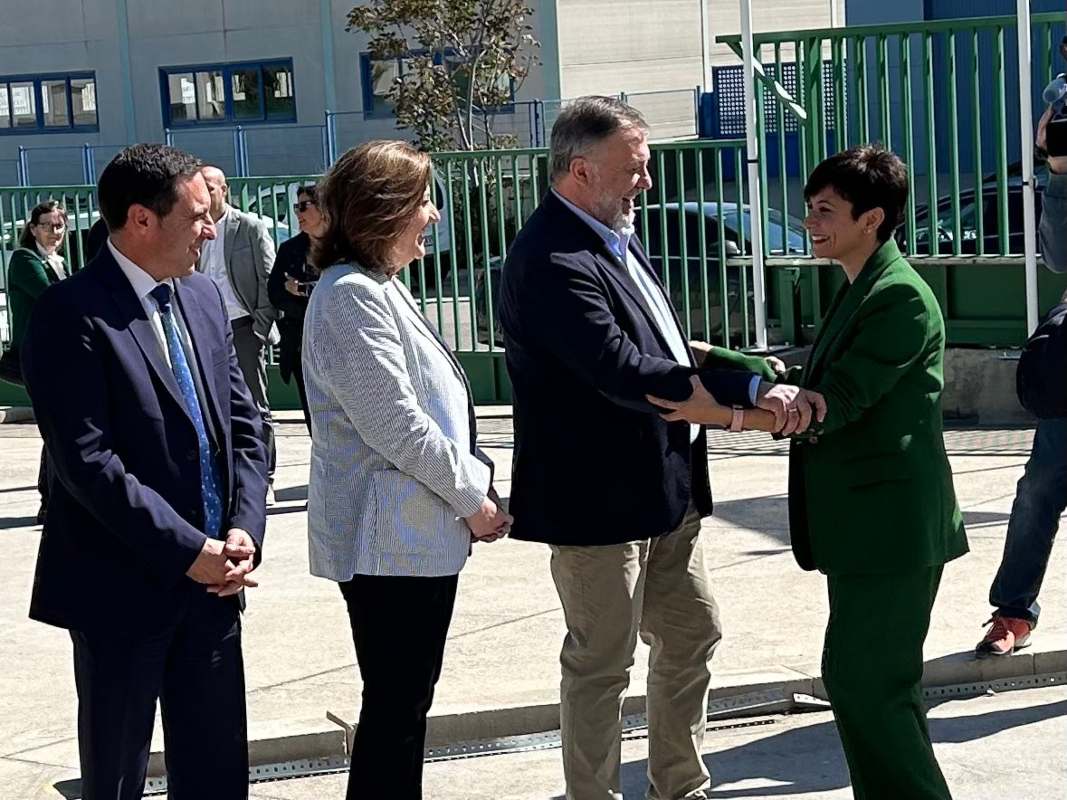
x: 754, y: 190
x: 1026, y: 128
x: 705, y: 47
x: 331, y: 139
x: 87, y: 167
x: 329, y: 68
x: 23, y: 167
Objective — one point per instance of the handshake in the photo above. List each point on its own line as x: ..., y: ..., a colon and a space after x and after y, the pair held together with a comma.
x: 781, y: 408
x: 490, y: 522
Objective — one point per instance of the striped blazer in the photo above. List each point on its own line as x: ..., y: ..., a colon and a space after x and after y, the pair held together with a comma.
x: 394, y: 465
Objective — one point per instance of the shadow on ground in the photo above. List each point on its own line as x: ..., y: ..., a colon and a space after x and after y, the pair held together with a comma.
x: 809, y: 759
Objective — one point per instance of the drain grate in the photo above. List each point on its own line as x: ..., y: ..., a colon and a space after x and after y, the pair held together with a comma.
x: 635, y: 727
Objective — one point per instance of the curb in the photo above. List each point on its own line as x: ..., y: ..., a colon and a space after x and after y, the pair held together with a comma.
x: 16, y: 414
x: 497, y: 723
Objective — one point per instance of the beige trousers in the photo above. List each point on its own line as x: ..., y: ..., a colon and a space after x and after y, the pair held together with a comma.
x: 660, y: 589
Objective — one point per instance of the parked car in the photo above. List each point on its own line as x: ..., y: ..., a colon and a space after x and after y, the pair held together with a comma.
x: 971, y: 210
x: 784, y: 236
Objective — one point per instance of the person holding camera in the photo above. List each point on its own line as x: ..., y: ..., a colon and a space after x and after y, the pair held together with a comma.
x: 291, y: 280
x: 1041, y: 495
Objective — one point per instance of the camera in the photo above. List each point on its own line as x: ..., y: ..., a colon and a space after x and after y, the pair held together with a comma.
x: 1055, y: 95
x: 1056, y: 136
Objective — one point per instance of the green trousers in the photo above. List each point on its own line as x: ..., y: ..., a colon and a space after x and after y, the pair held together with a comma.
x: 872, y: 667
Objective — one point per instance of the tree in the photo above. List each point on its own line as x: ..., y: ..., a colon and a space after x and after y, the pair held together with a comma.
x: 452, y: 63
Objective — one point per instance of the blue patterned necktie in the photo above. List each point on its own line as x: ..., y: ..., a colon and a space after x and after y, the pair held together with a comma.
x: 179, y: 363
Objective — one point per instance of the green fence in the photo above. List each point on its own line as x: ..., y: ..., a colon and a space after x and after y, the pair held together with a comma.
x: 694, y: 223
x: 936, y: 92
x: 944, y: 95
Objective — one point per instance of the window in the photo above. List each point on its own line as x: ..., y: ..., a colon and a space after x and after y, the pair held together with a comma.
x: 378, y: 75
x: 228, y: 94
x: 48, y: 103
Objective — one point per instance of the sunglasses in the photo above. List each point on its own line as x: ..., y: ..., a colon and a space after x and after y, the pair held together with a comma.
x: 303, y: 206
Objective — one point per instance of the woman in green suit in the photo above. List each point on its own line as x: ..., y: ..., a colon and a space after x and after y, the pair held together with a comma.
x: 871, y: 501
x: 33, y: 267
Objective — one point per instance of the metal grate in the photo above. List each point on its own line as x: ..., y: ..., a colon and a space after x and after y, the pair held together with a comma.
x: 730, y: 91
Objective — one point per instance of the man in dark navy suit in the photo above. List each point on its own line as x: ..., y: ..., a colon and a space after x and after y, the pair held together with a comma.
x: 614, y: 489
x: 159, y: 513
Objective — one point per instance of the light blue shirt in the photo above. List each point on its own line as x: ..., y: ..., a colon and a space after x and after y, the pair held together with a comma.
x: 618, y: 243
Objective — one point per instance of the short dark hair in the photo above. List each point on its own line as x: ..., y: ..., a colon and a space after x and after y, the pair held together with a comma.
x: 868, y: 176
x: 309, y: 190
x: 27, y: 238
x: 586, y: 121
x: 143, y: 174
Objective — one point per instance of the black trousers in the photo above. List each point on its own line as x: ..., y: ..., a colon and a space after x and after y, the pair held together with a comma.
x: 399, y: 626
x: 44, y: 479
x: 194, y: 667
x: 301, y: 389
x: 872, y: 668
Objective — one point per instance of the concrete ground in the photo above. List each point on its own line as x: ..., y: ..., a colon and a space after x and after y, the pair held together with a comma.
x: 1008, y: 745
x: 504, y: 642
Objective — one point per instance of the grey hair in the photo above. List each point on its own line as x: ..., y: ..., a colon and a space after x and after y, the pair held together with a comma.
x: 585, y: 122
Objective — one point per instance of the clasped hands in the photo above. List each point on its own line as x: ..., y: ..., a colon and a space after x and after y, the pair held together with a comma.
x: 224, y: 566
x: 793, y: 409
x: 490, y: 522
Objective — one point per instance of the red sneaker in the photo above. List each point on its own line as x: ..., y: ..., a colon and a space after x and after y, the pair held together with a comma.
x: 1006, y: 635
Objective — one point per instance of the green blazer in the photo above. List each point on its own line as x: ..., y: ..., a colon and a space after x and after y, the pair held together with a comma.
x: 28, y: 275
x: 870, y: 490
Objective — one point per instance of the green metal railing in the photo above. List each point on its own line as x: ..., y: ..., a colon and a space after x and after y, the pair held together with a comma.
x: 889, y: 82
x: 937, y: 94
x: 485, y: 197
x: 922, y: 89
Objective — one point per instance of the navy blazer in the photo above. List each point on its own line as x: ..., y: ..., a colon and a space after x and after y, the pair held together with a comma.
x: 594, y: 463
x: 125, y: 514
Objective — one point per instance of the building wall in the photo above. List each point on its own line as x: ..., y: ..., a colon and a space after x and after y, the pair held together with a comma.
x: 608, y: 46
x: 84, y: 35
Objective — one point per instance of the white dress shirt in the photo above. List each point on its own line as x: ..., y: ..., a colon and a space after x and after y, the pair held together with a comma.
x: 55, y: 260
x: 618, y: 243
x: 213, y: 264
x: 143, y: 284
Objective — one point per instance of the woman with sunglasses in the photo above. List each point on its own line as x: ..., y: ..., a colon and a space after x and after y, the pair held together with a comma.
x: 289, y: 287
x: 33, y: 267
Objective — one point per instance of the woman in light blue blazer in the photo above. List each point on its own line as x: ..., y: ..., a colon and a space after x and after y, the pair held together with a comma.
x: 398, y: 487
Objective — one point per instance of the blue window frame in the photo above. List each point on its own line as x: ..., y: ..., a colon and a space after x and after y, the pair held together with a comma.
x: 239, y: 93
x: 61, y: 102
x: 377, y: 76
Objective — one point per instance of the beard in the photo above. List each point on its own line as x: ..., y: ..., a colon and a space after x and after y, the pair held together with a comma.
x: 612, y: 214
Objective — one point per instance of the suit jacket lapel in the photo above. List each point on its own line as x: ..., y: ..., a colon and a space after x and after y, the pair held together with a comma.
x: 140, y: 326
x: 424, y: 326
x: 846, y: 304
x: 642, y: 258
x: 233, y: 222
x: 613, y: 265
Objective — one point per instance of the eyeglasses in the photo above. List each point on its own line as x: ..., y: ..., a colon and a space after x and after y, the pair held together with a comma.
x: 303, y: 206
x: 55, y: 227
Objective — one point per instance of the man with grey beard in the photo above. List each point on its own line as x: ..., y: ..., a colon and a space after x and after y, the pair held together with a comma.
x: 615, y: 490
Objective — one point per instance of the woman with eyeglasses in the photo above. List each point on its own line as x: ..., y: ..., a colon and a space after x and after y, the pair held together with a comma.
x: 291, y: 281
x: 33, y: 267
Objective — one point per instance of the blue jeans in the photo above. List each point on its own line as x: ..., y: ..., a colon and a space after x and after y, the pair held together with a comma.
x: 1040, y: 499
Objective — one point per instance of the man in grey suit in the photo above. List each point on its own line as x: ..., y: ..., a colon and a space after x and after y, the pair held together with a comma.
x: 239, y: 261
